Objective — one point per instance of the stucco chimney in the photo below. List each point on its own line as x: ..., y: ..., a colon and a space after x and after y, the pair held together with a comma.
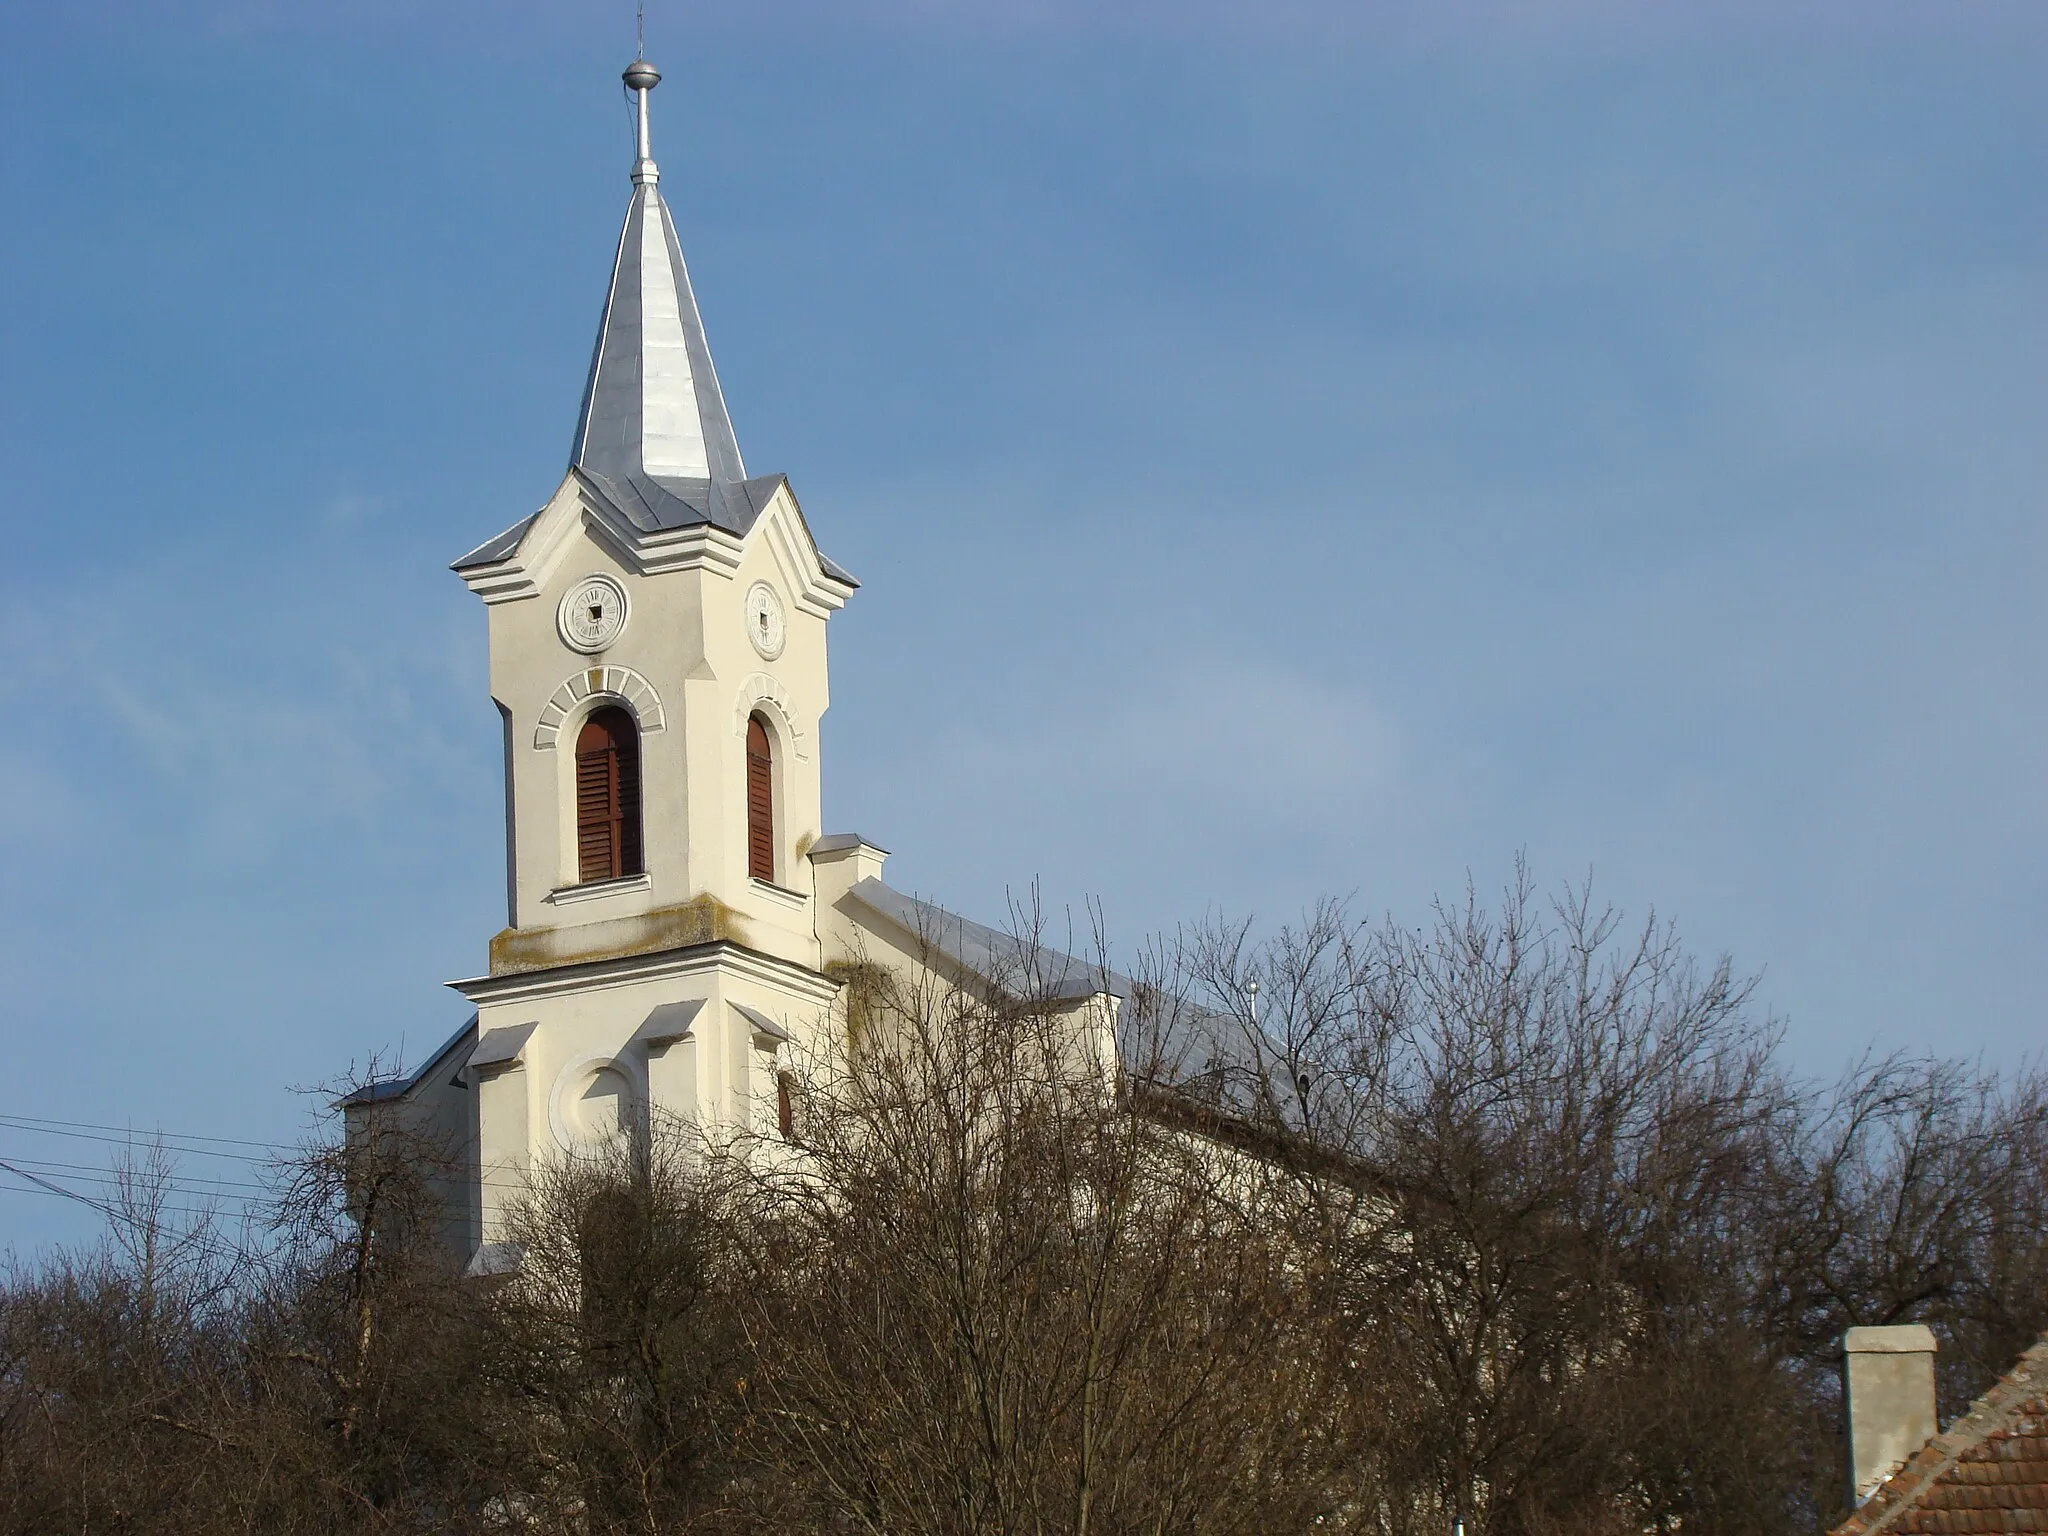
x: 1888, y: 1397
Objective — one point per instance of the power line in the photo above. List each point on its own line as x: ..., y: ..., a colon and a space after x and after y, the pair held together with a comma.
x: 131, y: 1141
x: 203, y: 1236
x: 37, y: 1184
x: 73, y: 1195
x: 146, y: 1133
x: 15, y: 1123
x: 131, y: 1137
x: 96, y: 1173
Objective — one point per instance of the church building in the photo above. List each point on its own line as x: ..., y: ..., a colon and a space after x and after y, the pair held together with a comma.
x: 675, y: 909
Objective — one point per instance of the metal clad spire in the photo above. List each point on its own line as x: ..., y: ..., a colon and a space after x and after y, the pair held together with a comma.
x: 652, y: 407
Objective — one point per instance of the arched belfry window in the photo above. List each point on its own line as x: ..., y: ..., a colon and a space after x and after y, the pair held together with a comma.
x: 760, y: 802
x: 608, y: 796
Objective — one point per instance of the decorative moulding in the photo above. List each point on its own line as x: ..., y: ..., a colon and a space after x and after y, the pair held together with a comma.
x: 758, y: 689
x: 593, y: 614
x: 501, y: 1049
x: 789, y: 540
x: 528, y: 566
x: 782, y: 895
x: 525, y: 568
x: 621, y: 683
x: 552, y: 538
x: 721, y: 957
x: 691, y: 547
x: 817, y: 591
x: 577, y: 1077
x: 578, y: 504
x: 764, y: 1028
x: 597, y: 890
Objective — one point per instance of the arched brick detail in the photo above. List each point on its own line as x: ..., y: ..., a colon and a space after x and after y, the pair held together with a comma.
x: 621, y: 685
x: 759, y: 692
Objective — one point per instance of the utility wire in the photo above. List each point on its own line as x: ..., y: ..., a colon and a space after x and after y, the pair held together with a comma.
x: 42, y: 1186
x: 98, y: 1173
x: 11, y: 1123
x: 198, y: 1212
x: 37, y: 1184
x: 145, y: 1132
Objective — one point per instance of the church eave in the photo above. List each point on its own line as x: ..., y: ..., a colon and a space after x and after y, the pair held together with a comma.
x: 527, y: 985
x: 833, y: 574
x: 384, y: 1090
x: 495, y: 551
x: 652, y: 529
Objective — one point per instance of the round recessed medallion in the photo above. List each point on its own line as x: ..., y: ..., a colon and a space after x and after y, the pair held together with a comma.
x: 765, y: 625
x: 593, y: 614
x: 596, y: 1101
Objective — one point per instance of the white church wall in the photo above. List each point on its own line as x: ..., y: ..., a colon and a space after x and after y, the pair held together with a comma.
x: 684, y: 665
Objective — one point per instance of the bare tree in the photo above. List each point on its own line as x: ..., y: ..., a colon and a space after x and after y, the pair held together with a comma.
x: 616, y: 1345
x: 1599, y: 1243
x: 1515, y: 1218
x: 1923, y: 1198
x: 114, y: 1358
x: 998, y: 1296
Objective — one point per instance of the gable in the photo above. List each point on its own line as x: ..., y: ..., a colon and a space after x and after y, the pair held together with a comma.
x: 651, y: 526
x: 819, y: 587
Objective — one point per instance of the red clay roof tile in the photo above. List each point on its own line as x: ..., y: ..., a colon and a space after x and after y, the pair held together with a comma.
x: 1986, y: 1475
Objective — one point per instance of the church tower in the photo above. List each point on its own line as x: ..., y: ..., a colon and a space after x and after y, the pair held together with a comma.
x: 657, y: 654
x: 674, y: 919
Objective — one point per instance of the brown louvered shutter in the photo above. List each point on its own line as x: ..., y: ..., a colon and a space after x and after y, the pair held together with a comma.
x: 760, y: 803
x: 785, y: 1105
x: 608, y: 797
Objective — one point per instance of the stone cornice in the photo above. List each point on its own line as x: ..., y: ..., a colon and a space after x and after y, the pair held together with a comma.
x: 628, y: 970
x: 525, y: 568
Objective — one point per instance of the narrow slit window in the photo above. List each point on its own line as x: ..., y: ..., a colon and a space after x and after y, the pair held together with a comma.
x: 785, y: 1105
x: 608, y: 797
x: 760, y: 802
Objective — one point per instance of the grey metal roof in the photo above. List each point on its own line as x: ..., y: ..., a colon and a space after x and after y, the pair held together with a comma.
x: 653, y: 437
x: 654, y: 505
x: 652, y: 404
x: 497, y: 547
x: 996, y: 956
x: 838, y: 842
x: 398, y: 1087
x: 1163, y: 1039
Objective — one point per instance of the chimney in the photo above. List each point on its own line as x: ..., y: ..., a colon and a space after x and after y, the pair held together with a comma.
x: 1888, y: 1398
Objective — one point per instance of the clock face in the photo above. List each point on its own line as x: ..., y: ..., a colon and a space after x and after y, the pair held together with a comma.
x: 593, y: 614
x: 764, y: 620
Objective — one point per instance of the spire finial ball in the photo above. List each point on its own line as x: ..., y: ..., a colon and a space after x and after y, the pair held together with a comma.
x: 641, y: 75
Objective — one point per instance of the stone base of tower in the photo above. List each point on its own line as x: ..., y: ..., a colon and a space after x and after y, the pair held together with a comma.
x: 574, y: 1058
x: 569, y: 1057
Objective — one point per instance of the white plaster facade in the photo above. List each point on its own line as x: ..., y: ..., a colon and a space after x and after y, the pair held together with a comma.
x: 684, y: 668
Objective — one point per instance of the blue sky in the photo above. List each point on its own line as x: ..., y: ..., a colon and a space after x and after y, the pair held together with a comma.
x: 1289, y: 450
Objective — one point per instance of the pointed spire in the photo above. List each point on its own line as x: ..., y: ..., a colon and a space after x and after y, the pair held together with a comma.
x: 652, y: 406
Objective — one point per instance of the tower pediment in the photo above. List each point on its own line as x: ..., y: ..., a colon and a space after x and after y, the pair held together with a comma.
x: 650, y: 526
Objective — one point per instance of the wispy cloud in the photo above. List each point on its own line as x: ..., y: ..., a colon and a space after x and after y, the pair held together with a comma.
x: 1228, y: 744
x: 256, y: 712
